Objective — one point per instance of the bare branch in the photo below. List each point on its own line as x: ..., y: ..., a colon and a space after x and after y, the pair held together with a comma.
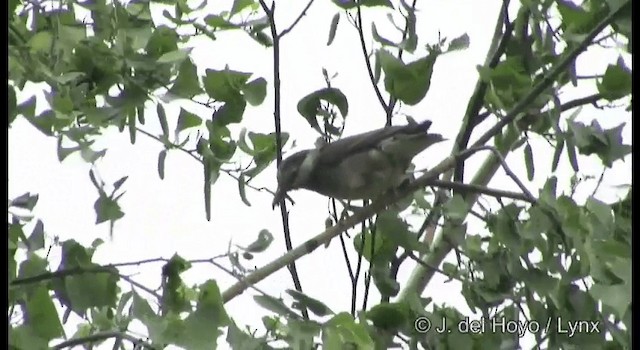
x: 103, y: 336
x: 304, y: 11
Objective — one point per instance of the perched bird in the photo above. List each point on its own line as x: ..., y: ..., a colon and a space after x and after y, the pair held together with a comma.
x: 362, y: 166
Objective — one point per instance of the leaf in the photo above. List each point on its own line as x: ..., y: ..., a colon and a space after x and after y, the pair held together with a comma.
x: 617, y: 296
x: 131, y: 119
x: 459, y: 43
x: 528, y: 161
x: 230, y: 112
x: 397, y: 231
x: 162, y: 116
x: 92, y: 289
x: 275, y: 305
x: 242, y: 190
x: 408, y: 83
x: 377, y: 37
x: 373, y: 3
x: 36, y: 239
x: 264, y: 240
x: 255, y: 91
x: 313, y: 305
x: 162, y: 156
x: 41, y: 314
x: 217, y: 22
x: 187, y: 120
x: 176, y: 56
x: 616, y: 82
x: 239, y: 5
x: 224, y: 85
x: 309, y: 105
x: 25, y: 201
x: 186, y: 84
x: 333, y: 27
x: 389, y: 316
x: 557, y: 153
x: 456, y: 208
x: 107, y: 209
x: 204, y: 325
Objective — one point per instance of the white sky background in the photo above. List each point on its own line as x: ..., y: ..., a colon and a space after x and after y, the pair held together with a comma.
x: 167, y: 217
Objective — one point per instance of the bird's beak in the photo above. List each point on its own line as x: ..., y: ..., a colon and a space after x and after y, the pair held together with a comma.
x: 277, y: 197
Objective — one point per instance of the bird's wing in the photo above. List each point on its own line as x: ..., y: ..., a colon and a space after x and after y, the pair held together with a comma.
x: 336, y: 151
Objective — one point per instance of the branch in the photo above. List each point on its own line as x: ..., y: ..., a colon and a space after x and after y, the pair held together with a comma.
x: 550, y: 77
x: 471, y: 118
x: 343, y: 225
x: 363, y: 46
x: 103, y: 336
x: 304, y: 11
x: 457, y: 186
x: 276, y: 118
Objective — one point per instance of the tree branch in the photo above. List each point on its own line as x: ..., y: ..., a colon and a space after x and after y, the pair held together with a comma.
x: 304, y: 11
x: 103, y: 336
x: 284, y: 214
x: 341, y: 226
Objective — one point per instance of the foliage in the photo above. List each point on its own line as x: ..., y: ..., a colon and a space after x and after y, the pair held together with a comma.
x: 547, y: 264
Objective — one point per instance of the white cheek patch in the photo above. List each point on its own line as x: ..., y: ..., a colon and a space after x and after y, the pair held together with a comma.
x: 306, y: 167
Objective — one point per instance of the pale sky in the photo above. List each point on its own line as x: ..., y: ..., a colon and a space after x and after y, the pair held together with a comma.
x: 166, y: 217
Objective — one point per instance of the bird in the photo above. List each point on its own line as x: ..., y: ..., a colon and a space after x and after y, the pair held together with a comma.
x: 362, y: 166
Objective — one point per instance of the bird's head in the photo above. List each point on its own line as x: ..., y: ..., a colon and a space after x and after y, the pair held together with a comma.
x: 293, y: 173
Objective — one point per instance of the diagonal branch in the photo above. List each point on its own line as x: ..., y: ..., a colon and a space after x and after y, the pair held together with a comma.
x: 343, y: 225
x: 304, y: 12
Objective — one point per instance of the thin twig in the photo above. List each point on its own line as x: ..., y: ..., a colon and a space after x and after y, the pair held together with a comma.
x: 367, y: 62
x: 284, y: 214
x: 304, y: 11
x: 103, y: 336
x: 463, y: 188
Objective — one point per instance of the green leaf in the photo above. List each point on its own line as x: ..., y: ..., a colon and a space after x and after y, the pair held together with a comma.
x: 217, y: 22
x: 264, y: 240
x: 313, y: 305
x: 162, y: 116
x: 601, y: 211
x: 239, y: 5
x: 186, y: 84
x: 333, y: 27
x: 345, y: 4
x: 389, y: 224
x: 389, y: 316
x: 230, y: 112
x: 242, y: 190
x: 408, y: 83
x: 176, y: 56
x: 187, y: 120
x: 12, y: 104
x: 372, y: 3
x: 36, y: 239
x: 255, y: 91
x: 224, y: 85
x: 528, y: 161
x: 382, y: 40
x: 386, y: 284
x: 92, y: 289
x: 616, y: 82
x: 309, y: 105
x: 162, y: 156
x: 617, y: 296
x: 275, y: 305
x: 41, y: 42
x: 203, y: 327
x: 107, y: 209
x: 25, y: 201
x: 459, y: 43
x: 456, y: 208
x: 557, y: 153
x: 41, y: 314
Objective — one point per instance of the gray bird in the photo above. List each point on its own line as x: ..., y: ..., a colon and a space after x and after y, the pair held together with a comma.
x: 361, y: 166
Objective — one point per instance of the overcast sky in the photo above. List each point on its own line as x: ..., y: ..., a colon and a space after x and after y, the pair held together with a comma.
x: 166, y: 217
